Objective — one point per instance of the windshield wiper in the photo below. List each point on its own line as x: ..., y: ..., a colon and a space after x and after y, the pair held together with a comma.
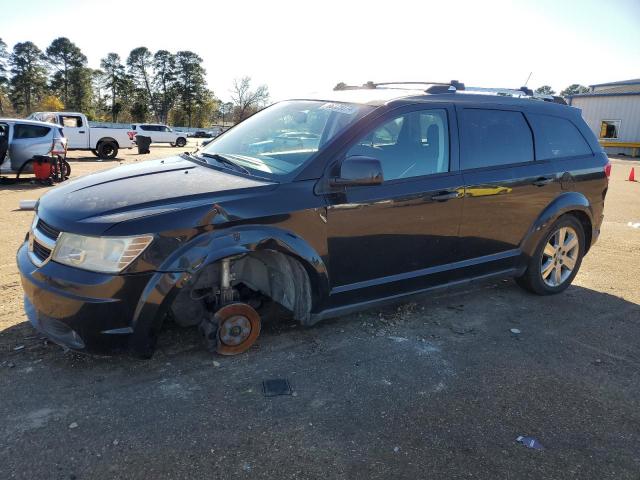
x: 224, y: 160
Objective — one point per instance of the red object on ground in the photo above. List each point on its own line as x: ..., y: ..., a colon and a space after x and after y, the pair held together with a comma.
x: 42, y: 169
x: 632, y: 175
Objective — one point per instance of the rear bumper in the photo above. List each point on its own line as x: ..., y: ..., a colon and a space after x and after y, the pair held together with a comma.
x: 84, y: 311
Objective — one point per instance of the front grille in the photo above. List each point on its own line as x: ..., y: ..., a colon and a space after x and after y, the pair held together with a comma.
x: 41, y: 252
x: 48, y: 230
x: 42, y: 241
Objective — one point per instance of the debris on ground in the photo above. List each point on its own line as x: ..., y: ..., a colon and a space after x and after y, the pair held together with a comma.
x: 634, y: 225
x: 461, y: 329
x: 457, y: 308
x: 275, y: 387
x: 515, y: 331
x: 399, y: 339
x: 73, y: 425
x: 530, y: 442
x: 27, y: 204
x: 216, y: 364
x: 17, y: 348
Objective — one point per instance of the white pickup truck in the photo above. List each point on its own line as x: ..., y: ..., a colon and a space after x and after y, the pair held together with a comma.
x: 103, y: 142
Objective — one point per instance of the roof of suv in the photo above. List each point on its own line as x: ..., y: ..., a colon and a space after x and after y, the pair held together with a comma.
x: 384, y: 95
x: 29, y: 122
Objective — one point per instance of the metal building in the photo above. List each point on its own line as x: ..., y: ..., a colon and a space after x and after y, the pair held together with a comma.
x: 612, y: 111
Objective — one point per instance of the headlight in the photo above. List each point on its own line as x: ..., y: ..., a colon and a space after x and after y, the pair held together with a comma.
x: 99, y: 254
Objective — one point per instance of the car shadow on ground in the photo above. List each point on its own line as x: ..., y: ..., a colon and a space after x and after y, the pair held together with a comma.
x: 461, y: 313
x: 440, y: 383
x: 27, y: 184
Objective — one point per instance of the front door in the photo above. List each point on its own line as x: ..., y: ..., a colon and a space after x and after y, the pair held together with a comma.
x: 76, y: 132
x: 391, y: 236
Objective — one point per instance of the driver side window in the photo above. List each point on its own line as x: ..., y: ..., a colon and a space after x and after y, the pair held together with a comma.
x: 410, y: 145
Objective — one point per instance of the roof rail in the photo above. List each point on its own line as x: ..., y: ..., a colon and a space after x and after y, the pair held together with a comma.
x: 451, y: 86
x: 519, y: 92
x: 455, y: 86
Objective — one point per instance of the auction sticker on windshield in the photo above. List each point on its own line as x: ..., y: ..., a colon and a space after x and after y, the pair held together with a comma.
x: 340, y: 108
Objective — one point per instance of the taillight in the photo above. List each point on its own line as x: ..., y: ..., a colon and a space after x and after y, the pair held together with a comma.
x: 58, y: 147
x: 607, y: 169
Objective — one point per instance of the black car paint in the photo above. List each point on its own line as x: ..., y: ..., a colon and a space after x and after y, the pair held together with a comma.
x: 481, y: 223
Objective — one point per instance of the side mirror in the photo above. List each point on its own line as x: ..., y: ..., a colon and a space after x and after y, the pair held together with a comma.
x: 358, y: 170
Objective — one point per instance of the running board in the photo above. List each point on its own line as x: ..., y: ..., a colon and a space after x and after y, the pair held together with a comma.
x: 355, y: 307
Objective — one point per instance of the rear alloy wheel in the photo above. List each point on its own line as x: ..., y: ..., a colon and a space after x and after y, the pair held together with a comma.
x: 557, y: 258
x: 181, y: 142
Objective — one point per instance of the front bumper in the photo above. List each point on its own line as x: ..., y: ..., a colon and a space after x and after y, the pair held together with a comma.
x: 85, y: 311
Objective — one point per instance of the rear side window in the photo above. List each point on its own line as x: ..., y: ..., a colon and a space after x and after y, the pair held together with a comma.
x: 29, y: 131
x: 557, y: 137
x: 494, y: 137
x: 70, y: 121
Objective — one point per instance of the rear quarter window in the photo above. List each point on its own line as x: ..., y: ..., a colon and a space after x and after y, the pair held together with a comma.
x: 29, y: 131
x: 557, y: 137
x: 494, y: 138
x: 70, y: 121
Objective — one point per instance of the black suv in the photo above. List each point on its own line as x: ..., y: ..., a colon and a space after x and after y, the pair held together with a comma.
x: 319, y: 206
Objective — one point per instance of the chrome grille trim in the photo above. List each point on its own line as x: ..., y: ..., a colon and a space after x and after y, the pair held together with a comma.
x: 43, y: 240
x: 40, y: 242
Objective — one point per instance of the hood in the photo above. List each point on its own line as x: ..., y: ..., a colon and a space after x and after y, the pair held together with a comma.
x: 95, y: 202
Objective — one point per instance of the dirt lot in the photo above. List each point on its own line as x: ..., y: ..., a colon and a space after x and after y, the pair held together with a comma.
x: 435, y: 388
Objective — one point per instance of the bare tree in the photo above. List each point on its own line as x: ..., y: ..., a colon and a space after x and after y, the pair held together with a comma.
x: 248, y: 101
x: 140, y: 62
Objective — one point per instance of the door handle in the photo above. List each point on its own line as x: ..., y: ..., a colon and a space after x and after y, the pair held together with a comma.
x: 444, y: 196
x: 542, y: 181
x: 81, y: 131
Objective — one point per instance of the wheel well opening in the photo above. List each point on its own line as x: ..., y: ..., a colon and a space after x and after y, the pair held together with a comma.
x: 107, y: 140
x: 584, y: 220
x: 255, y: 277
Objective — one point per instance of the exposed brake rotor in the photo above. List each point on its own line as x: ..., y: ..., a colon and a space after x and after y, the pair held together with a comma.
x: 238, y: 328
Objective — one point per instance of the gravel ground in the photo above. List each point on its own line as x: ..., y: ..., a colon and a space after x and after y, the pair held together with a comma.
x: 435, y: 388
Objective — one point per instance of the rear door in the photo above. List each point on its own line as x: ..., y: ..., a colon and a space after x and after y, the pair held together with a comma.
x: 506, y: 187
x: 75, y: 131
x: 26, y: 141
x: 389, y: 238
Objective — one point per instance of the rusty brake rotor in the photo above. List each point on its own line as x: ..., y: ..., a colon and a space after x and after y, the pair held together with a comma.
x: 238, y: 328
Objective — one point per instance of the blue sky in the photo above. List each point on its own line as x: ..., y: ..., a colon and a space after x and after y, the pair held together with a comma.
x: 298, y: 47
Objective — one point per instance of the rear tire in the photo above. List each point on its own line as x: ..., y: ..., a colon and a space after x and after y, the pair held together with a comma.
x: 107, y: 150
x: 557, y: 258
x: 181, y: 142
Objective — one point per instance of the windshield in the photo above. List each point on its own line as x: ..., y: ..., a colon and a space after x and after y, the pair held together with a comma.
x: 281, y: 138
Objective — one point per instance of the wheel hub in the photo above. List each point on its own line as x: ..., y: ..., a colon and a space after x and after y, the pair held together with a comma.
x: 235, y: 330
x: 238, y: 328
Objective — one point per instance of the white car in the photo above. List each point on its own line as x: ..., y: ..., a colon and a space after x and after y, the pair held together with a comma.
x: 160, y: 134
x: 102, y: 141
